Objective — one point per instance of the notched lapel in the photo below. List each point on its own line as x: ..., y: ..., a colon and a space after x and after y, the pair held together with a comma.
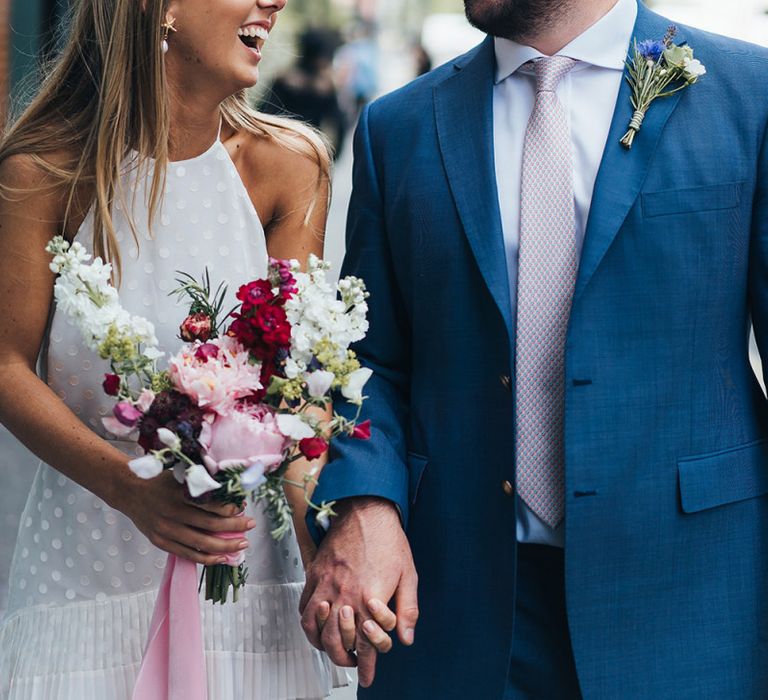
x: 622, y: 172
x: 464, y: 114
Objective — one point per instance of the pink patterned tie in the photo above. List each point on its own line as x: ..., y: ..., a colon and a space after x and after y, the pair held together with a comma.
x: 546, y: 278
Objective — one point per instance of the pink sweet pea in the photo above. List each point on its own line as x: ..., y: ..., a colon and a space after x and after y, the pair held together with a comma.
x: 127, y: 413
x: 243, y: 437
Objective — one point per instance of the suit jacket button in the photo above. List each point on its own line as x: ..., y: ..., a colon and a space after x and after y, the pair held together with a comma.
x: 508, y: 489
x: 506, y: 381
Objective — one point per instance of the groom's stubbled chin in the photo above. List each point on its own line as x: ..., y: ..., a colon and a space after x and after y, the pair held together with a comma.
x: 513, y: 19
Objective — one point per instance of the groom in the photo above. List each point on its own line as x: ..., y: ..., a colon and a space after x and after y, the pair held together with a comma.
x: 569, y: 445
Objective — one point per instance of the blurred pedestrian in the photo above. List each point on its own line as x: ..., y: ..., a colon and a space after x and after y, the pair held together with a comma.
x: 307, y: 91
x: 357, y: 68
x: 421, y: 60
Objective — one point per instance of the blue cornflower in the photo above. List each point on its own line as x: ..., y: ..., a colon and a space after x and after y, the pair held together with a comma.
x: 651, y: 50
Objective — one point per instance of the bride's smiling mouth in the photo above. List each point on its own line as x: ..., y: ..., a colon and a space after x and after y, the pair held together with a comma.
x: 254, y: 36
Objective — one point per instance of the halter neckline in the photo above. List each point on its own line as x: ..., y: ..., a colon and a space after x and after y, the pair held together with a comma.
x: 134, y: 155
x: 206, y: 152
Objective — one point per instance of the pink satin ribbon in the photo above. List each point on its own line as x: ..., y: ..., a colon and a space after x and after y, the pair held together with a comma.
x: 173, y: 667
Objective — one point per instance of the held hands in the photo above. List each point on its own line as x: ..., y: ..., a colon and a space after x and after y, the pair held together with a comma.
x: 365, y: 559
x: 161, y: 510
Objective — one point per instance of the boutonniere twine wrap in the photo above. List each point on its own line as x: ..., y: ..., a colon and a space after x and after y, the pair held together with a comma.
x: 658, y: 68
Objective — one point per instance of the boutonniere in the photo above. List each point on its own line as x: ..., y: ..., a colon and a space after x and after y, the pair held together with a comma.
x: 658, y: 69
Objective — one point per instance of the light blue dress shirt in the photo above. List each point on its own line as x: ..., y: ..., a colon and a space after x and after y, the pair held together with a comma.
x: 589, y: 94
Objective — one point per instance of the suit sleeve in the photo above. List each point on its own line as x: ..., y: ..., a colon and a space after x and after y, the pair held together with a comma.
x: 375, y: 467
x: 758, y: 283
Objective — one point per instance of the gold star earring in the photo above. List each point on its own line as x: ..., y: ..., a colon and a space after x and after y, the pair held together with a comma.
x: 168, y: 26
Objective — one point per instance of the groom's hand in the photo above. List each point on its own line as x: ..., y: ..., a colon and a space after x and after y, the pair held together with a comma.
x: 364, y: 556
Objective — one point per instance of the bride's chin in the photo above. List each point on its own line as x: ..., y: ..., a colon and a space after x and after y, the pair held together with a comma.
x: 245, y: 81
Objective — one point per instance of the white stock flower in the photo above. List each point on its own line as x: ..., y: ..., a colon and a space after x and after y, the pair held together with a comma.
x: 147, y: 467
x: 84, y: 292
x: 317, y: 314
x: 293, y: 368
x: 199, y: 481
x: 294, y: 427
x: 319, y: 383
x: 153, y: 353
x: 353, y: 389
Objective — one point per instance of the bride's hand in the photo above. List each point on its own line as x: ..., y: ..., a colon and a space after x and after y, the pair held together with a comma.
x: 161, y: 510
x: 376, y: 630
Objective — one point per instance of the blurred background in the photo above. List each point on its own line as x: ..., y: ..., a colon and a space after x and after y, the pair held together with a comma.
x: 324, y: 61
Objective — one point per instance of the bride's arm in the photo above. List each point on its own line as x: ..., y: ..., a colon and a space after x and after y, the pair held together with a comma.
x: 40, y: 419
x: 291, y: 186
x: 296, y: 498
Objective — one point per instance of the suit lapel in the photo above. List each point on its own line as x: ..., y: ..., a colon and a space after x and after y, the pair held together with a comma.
x: 464, y: 114
x: 622, y: 172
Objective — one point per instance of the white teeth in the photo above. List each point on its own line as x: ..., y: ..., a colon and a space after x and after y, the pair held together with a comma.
x: 254, y: 32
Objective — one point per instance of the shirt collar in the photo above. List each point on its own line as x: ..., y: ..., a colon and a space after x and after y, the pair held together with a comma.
x: 604, y: 44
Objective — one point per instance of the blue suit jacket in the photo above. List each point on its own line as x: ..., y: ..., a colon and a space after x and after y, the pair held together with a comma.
x: 666, y: 426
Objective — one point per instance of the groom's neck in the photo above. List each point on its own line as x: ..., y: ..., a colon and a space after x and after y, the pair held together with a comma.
x: 573, y: 21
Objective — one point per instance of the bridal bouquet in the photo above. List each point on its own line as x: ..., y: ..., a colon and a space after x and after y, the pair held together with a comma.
x: 236, y: 405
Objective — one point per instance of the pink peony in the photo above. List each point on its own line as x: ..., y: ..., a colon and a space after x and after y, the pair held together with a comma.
x: 242, y: 438
x: 215, y: 381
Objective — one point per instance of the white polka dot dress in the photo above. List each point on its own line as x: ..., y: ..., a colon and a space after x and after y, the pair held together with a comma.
x: 83, y: 578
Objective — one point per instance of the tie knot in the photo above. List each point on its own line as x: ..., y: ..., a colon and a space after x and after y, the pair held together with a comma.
x: 550, y: 71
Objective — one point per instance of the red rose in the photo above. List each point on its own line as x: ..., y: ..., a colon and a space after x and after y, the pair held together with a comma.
x: 312, y: 448
x: 362, y: 431
x: 196, y: 327
x: 111, y: 384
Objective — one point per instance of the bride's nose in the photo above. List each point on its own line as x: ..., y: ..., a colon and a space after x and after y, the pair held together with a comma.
x: 275, y: 5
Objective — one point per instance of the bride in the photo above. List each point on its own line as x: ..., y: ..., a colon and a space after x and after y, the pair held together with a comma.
x: 141, y: 146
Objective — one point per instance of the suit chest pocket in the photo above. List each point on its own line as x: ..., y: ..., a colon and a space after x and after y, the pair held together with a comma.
x: 708, y: 198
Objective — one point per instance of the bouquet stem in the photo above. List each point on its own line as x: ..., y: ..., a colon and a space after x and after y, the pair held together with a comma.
x: 220, y: 578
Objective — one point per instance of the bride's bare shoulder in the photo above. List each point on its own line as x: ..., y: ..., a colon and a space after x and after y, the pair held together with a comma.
x: 22, y: 171
x: 30, y: 187
x: 280, y: 171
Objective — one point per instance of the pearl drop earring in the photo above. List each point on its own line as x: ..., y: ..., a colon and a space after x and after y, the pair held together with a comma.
x: 168, y: 26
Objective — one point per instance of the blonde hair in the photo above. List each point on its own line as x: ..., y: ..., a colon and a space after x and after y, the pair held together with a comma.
x: 106, y: 96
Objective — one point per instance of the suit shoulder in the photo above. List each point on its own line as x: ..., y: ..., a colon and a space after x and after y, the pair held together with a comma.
x: 736, y: 72
x: 721, y: 50
x: 724, y: 43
